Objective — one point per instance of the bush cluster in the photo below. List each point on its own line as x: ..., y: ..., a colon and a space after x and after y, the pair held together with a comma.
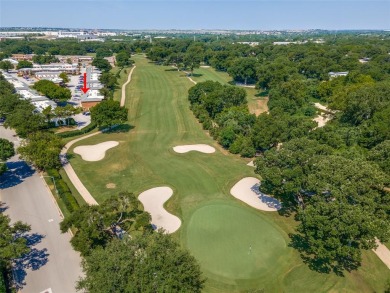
x: 72, y: 133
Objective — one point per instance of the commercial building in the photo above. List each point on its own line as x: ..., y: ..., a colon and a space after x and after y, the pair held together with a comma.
x: 93, y: 96
x: 53, y: 67
x: 20, y: 57
x: 40, y: 102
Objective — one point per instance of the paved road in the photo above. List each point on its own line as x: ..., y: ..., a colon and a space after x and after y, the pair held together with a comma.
x: 52, y: 262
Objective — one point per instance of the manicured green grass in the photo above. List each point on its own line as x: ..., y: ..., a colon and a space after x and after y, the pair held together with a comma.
x: 159, y: 112
x: 235, y: 252
x: 121, y: 80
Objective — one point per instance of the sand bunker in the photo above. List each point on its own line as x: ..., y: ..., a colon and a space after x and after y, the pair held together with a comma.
x: 251, y: 164
x: 95, y: 152
x: 203, y: 148
x: 153, y: 201
x: 247, y: 190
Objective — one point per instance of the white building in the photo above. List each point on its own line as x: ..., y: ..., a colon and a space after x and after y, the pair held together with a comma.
x: 337, y: 74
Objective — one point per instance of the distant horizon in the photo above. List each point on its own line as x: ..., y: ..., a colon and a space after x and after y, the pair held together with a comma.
x: 188, y: 29
x: 244, y: 15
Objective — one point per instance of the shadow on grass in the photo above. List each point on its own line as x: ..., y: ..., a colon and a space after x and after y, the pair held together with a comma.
x: 262, y: 94
x: 172, y: 69
x: 122, y: 128
x: 324, y: 265
x: 196, y: 75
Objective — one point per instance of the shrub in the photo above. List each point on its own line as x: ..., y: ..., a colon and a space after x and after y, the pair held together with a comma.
x: 72, y: 133
x: 54, y: 173
x: 69, y: 201
x: 64, y: 192
x: 62, y: 187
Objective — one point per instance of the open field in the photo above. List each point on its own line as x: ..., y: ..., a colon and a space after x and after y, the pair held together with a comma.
x: 217, y: 228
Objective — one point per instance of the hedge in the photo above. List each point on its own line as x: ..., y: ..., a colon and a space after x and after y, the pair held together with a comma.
x: 70, y: 202
x: 64, y: 192
x: 54, y: 173
x: 84, y: 130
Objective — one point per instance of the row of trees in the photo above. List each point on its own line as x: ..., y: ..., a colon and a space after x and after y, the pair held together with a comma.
x: 332, y: 179
x: 44, y: 59
x: 223, y: 110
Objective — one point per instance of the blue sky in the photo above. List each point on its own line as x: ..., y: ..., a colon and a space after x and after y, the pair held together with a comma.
x: 201, y: 14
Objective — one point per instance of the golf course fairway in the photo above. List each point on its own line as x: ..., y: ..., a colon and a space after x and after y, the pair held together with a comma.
x: 217, y: 228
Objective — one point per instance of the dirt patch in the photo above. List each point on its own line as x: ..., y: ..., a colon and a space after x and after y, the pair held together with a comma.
x: 260, y: 106
x: 111, y: 185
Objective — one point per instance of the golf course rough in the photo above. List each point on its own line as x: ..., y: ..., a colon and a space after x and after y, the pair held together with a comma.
x: 234, y: 244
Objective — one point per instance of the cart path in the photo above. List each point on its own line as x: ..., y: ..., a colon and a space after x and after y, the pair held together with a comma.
x: 383, y: 253
x: 86, y: 195
x: 123, y: 98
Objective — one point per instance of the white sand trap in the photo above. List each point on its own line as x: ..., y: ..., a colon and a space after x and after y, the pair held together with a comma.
x: 322, y: 120
x: 247, y: 190
x: 203, y: 148
x: 153, y: 201
x: 251, y: 164
x: 95, y: 152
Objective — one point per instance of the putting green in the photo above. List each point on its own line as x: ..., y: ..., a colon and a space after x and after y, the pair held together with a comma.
x: 232, y: 243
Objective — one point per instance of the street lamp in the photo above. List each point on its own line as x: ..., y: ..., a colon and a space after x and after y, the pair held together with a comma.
x: 55, y: 186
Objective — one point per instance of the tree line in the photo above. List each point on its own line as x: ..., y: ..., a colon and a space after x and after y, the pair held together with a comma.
x: 334, y: 179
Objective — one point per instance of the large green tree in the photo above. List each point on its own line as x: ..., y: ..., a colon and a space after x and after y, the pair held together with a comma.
x: 12, y: 245
x: 123, y: 59
x: 342, y: 204
x: 244, y: 70
x: 24, y: 64
x: 108, y: 113
x: 42, y: 149
x: 6, y: 65
x: 152, y: 262
x: 102, y: 64
x: 52, y: 91
x: 6, y: 151
x: 24, y: 119
x: 117, y: 217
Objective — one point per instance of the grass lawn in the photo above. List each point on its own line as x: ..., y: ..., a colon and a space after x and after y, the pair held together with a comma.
x: 217, y: 228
